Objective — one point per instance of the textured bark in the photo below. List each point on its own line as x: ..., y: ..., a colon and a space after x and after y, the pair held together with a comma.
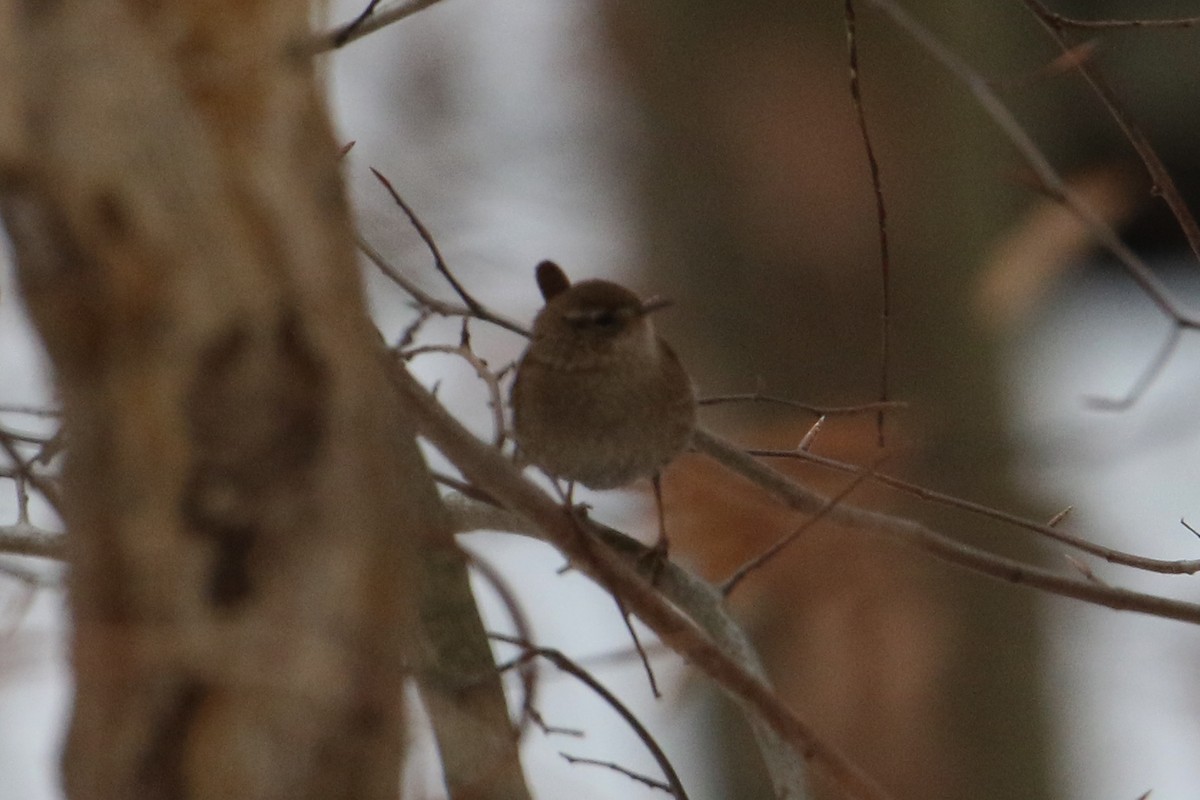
x: 459, y: 685
x: 241, y: 487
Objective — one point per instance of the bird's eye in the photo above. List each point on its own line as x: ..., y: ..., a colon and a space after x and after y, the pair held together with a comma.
x: 597, y: 319
x: 603, y: 319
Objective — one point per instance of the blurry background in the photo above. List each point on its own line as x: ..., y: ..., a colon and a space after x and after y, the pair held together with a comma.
x: 708, y: 151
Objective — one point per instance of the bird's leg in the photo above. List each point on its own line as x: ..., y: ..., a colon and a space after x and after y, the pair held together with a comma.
x: 577, y: 514
x: 656, y: 556
x: 578, y: 511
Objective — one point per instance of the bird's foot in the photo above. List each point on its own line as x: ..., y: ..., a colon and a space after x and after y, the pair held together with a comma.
x: 654, y: 560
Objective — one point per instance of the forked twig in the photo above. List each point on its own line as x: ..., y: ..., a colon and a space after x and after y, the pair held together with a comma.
x: 1164, y: 184
x: 439, y: 262
x: 429, y: 301
x: 939, y: 544
x: 762, y: 558
x: 1146, y: 379
x: 560, y: 660
x: 520, y: 620
x: 1049, y: 530
x: 1137, y: 269
x: 615, y: 767
x: 367, y: 22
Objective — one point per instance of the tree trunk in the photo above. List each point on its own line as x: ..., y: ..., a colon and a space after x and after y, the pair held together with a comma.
x: 242, y: 488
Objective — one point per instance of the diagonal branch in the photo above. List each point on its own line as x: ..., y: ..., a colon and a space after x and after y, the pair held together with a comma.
x: 1164, y: 184
x: 939, y: 544
x: 491, y: 472
x: 367, y: 22
x: 1051, y: 180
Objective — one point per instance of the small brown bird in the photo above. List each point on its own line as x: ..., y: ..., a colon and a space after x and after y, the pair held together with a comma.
x: 599, y: 398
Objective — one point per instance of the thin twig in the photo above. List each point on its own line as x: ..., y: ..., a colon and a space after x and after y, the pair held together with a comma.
x: 550, y: 730
x: 1164, y: 184
x: 939, y: 544
x: 1163, y: 567
x: 520, y: 621
x: 1146, y: 379
x: 560, y: 660
x: 1060, y: 22
x: 25, y: 437
x: 637, y: 646
x: 1054, y: 184
x: 484, y: 372
x: 29, y: 411
x: 43, y: 485
x: 430, y: 302
x: 615, y: 767
x: 732, y: 582
x: 358, y: 28
x: 439, y: 261
x: 885, y: 261
x: 811, y: 434
x: 816, y: 411
x: 346, y: 32
x: 24, y: 539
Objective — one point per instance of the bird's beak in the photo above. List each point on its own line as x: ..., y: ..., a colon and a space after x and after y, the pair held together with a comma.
x: 655, y: 304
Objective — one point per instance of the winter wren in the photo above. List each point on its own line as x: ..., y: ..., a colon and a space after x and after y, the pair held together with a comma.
x: 599, y: 398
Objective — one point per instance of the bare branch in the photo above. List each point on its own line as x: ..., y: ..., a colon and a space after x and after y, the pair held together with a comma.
x: 429, y: 301
x: 754, y: 563
x: 495, y: 475
x: 1050, y: 530
x: 1164, y: 184
x: 25, y: 539
x: 439, y: 262
x: 490, y: 379
x: 941, y: 546
x: 1053, y: 183
x: 520, y: 621
x: 367, y: 22
x: 637, y: 648
x: 1060, y: 22
x: 31, y: 411
x: 628, y: 773
x: 816, y: 411
x: 47, y: 489
x: 697, y: 597
x: 885, y: 261
x: 560, y: 660
x: 1146, y: 379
